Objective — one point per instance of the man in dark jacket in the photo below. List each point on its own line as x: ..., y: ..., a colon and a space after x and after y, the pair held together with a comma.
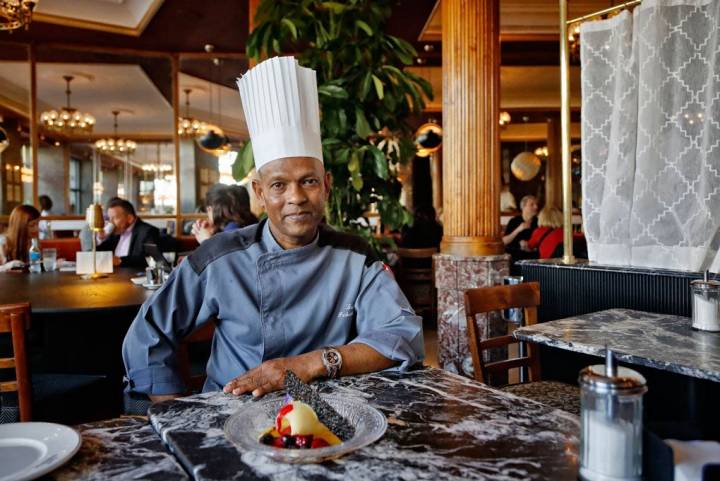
x: 129, y: 235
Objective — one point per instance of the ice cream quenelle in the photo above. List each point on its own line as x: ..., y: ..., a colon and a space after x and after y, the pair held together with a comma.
x: 298, y: 427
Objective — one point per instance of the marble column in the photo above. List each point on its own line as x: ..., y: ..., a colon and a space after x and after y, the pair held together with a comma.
x: 471, y: 252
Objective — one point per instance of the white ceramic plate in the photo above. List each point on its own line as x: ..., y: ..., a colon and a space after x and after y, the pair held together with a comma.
x: 29, y: 450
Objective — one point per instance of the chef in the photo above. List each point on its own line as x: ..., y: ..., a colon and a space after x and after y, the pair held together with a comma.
x: 287, y: 293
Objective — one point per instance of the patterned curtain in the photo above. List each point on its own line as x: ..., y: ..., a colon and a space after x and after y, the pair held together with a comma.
x: 651, y: 136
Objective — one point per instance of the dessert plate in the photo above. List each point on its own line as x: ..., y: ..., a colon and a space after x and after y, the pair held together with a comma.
x: 245, y: 427
x: 29, y: 450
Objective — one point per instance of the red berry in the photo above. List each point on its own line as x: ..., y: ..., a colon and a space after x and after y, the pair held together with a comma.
x: 319, y: 443
x: 304, y: 441
x: 278, y: 443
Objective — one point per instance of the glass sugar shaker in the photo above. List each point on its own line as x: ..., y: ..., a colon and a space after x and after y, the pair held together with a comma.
x: 705, y: 304
x: 611, y: 417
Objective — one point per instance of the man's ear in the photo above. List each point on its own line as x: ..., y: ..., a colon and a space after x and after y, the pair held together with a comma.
x: 257, y: 188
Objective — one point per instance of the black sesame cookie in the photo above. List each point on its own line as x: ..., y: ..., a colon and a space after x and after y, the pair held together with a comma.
x: 300, y: 391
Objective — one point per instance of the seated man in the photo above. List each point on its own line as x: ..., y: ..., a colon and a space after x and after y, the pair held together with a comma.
x: 129, y: 235
x: 287, y: 293
x: 520, y: 229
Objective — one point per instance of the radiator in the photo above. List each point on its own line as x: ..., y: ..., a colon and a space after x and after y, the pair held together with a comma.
x: 568, y: 290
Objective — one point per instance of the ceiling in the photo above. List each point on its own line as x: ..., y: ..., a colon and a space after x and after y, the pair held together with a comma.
x: 529, y: 51
x: 125, y: 17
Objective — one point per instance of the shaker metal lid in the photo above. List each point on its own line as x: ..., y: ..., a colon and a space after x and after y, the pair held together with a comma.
x: 626, y: 381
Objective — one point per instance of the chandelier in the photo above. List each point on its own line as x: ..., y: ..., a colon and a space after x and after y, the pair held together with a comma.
x: 189, y: 127
x: 69, y: 120
x: 16, y: 13
x: 115, y: 145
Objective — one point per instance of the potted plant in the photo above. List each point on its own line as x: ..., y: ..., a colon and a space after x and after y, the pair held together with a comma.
x: 365, y: 98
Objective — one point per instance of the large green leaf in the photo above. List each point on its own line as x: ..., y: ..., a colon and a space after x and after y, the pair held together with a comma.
x: 379, y: 90
x: 333, y: 91
x: 291, y: 27
x: 365, y: 27
x: 379, y: 162
x: 362, y: 128
x: 244, y: 162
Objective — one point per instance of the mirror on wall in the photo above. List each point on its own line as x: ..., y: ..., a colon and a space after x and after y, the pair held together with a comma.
x: 16, y: 167
x: 212, y: 126
x: 105, y: 130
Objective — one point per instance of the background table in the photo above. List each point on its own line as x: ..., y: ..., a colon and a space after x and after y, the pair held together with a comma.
x: 681, y: 365
x: 67, y: 293
x: 440, y: 426
x: 659, y: 341
x: 77, y: 325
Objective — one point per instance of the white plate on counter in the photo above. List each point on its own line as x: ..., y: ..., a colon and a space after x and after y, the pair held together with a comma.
x: 29, y: 450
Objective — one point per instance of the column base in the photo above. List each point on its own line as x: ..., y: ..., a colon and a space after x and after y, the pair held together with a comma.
x: 454, y: 274
x: 472, y: 246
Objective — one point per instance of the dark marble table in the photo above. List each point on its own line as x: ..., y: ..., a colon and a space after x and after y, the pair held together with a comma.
x: 659, y: 341
x: 118, y: 450
x: 441, y: 427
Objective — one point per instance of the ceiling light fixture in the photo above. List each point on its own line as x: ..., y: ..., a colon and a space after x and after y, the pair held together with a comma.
x: 189, y: 127
x: 16, y: 13
x: 69, y: 120
x: 115, y: 145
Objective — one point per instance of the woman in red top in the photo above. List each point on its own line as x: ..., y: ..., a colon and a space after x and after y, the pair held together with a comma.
x: 549, y: 233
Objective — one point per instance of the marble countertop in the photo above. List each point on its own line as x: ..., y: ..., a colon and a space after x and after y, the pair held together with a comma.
x: 441, y: 427
x: 118, y: 450
x: 660, y: 341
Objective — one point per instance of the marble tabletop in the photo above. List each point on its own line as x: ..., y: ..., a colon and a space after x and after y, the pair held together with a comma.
x: 118, y: 450
x: 660, y: 341
x: 441, y: 427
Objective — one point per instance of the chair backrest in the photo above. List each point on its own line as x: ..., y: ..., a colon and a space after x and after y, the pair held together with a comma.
x: 15, y: 320
x: 193, y: 382
x: 488, y: 299
x: 67, y: 248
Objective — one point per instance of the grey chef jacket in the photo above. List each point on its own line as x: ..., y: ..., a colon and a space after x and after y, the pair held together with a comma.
x: 268, y: 302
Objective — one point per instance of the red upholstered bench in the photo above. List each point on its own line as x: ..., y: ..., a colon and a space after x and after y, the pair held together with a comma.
x: 66, y: 248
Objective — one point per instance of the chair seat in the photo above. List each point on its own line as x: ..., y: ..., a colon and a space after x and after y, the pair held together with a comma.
x: 558, y: 395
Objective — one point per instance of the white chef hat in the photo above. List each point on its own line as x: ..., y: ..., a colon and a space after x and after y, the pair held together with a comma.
x: 280, y: 101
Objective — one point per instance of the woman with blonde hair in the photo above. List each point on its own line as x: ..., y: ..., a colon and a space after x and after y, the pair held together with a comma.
x: 549, y: 233
x: 15, y: 243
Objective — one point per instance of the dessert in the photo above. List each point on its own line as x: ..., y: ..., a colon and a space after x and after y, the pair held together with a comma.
x: 306, y: 421
x: 298, y: 427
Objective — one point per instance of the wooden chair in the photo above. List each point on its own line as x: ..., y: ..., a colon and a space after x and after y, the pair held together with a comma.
x: 416, y: 279
x: 527, y: 297
x: 15, y: 320
x: 193, y: 379
x: 61, y: 398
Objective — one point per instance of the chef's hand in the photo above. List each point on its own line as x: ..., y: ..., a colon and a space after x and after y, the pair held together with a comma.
x: 270, y: 375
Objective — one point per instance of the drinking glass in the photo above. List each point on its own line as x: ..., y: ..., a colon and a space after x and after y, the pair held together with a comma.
x: 49, y: 259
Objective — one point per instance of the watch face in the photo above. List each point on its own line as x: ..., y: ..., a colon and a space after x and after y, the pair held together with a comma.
x: 332, y: 357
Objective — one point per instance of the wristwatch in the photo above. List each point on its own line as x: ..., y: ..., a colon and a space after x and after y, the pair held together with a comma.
x: 332, y: 360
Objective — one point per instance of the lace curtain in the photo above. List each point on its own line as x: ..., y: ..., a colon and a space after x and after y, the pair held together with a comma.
x: 651, y: 136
